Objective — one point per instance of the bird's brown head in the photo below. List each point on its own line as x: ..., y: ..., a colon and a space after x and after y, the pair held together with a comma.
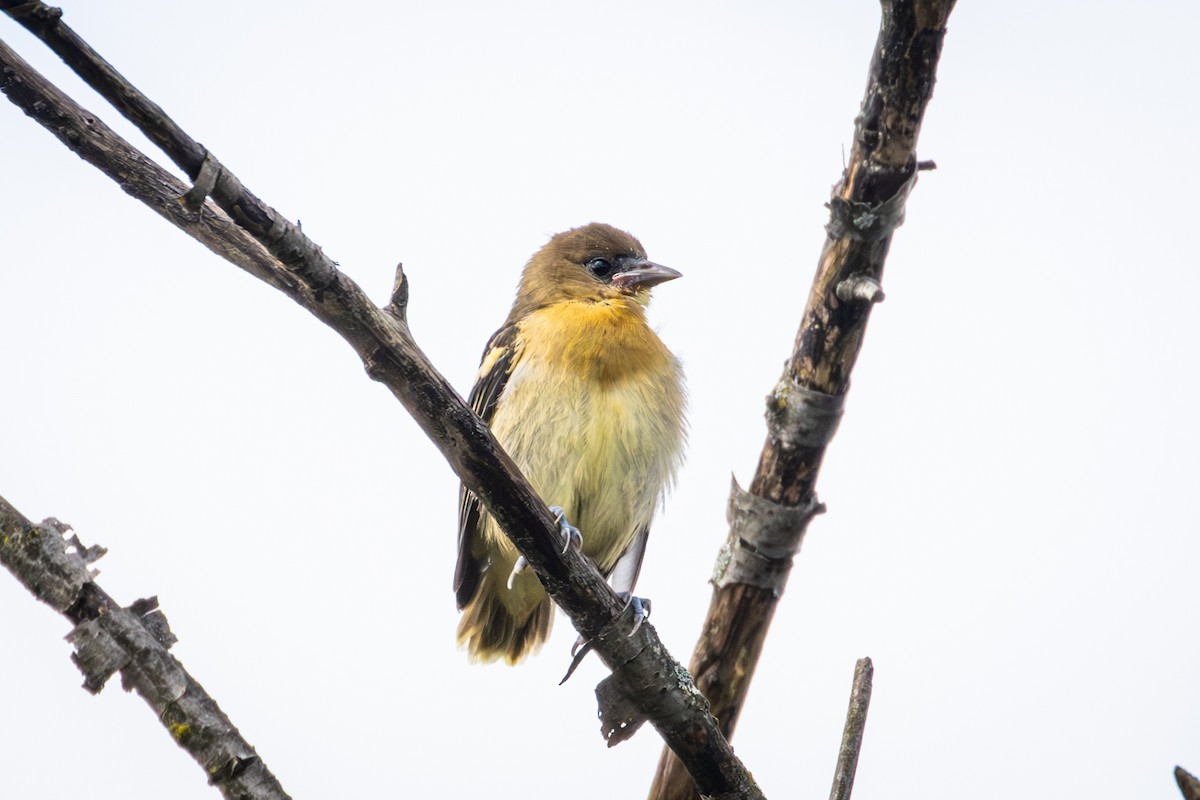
x: 595, y: 261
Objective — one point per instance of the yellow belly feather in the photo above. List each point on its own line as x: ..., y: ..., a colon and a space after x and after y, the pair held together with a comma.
x: 593, y: 415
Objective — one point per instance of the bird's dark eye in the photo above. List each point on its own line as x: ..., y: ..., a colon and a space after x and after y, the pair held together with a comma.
x: 599, y: 267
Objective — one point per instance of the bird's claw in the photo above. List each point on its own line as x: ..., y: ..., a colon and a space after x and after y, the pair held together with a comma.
x: 640, y: 606
x: 517, y: 569
x: 570, y: 534
x: 579, y: 651
x: 571, y: 538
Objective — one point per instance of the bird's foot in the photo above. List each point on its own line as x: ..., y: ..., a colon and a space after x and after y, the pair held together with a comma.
x: 579, y: 650
x: 571, y: 537
x: 570, y: 534
x: 517, y: 569
x: 640, y: 606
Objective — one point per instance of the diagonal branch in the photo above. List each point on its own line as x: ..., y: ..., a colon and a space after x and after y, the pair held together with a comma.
x: 108, y: 638
x: 660, y: 688
x: 767, y: 522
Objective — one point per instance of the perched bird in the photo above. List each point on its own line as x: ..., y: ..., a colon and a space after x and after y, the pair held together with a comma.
x: 589, y: 403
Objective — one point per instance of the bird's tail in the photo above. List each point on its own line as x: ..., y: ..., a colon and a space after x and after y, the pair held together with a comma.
x: 492, y: 629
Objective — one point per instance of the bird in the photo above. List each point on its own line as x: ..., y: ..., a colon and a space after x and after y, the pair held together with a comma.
x: 587, y: 400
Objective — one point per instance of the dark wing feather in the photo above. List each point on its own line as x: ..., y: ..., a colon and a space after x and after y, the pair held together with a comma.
x: 499, y: 359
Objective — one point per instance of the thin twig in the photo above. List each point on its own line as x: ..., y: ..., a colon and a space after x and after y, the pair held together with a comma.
x: 852, y: 734
x: 642, y: 668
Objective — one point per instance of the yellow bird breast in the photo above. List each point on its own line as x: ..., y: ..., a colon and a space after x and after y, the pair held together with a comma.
x: 593, y: 415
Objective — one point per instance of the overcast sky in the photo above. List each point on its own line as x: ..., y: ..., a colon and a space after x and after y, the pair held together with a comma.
x: 1012, y: 529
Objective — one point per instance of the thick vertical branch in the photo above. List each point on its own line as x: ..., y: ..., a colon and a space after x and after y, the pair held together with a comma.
x: 866, y: 206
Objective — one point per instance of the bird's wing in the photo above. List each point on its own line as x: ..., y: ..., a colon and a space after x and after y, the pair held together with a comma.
x: 499, y: 359
x: 625, y: 572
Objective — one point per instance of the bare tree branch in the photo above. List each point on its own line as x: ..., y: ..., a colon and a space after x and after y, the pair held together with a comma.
x: 1189, y: 786
x: 852, y: 734
x: 803, y: 409
x: 659, y: 688
x: 134, y: 641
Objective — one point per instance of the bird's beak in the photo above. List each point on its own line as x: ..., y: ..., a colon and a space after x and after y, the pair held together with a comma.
x: 640, y: 272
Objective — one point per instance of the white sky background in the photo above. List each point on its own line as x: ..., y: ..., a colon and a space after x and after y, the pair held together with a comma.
x: 1012, y: 527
